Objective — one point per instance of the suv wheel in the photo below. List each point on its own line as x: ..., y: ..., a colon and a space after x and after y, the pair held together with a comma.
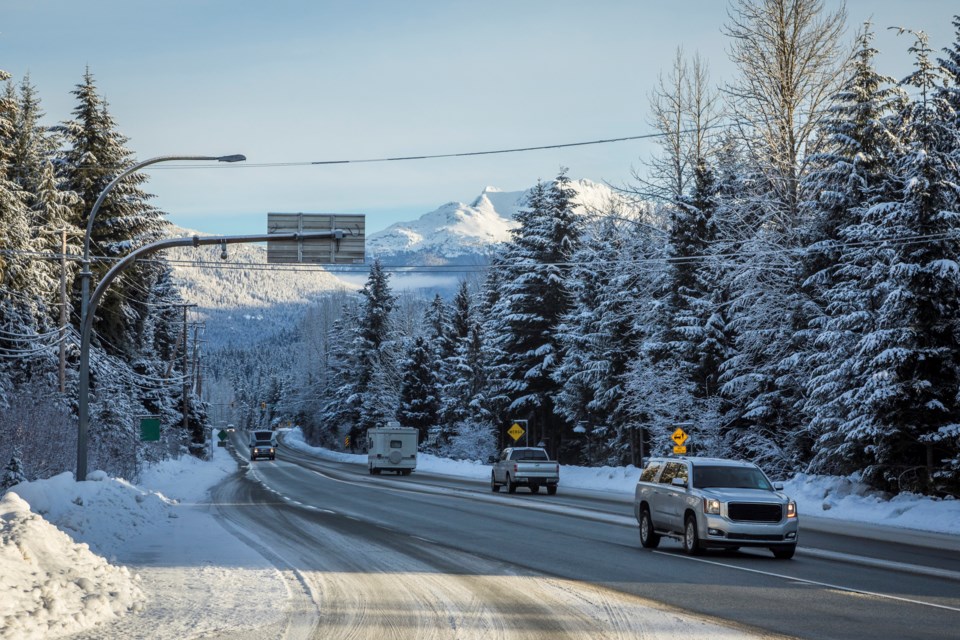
x: 511, y: 485
x: 648, y: 538
x: 691, y: 539
x: 784, y: 553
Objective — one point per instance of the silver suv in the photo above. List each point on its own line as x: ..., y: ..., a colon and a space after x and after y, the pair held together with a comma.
x: 709, y: 502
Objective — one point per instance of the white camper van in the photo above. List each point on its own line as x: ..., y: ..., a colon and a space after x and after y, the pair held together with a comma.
x: 392, y: 448
x: 263, y: 444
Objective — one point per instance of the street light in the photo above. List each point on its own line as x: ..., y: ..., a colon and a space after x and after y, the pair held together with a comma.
x: 85, y: 275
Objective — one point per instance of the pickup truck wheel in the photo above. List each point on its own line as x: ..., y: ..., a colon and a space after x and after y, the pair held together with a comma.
x: 551, y: 489
x: 511, y: 485
x: 534, y: 488
x: 649, y: 539
x: 691, y: 539
x: 493, y: 484
x: 784, y: 553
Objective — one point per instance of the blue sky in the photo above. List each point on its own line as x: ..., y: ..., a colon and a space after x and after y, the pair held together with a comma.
x: 294, y: 81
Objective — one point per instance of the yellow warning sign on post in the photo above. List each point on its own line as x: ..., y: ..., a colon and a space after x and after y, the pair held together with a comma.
x: 679, y: 437
x: 679, y: 450
x: 515, y: 431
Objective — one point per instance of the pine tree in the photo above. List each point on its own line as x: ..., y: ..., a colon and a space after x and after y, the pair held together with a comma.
x: 32, y: 158
x: 20, y: 309
x: 375, y: 386
x: 599, y: 338
x: 96, y: 153
x: 904, y: 415
x: 419, y: 395
x: 848, y: 173
x: 535, y: 297
x: 951, y: 67
x: 13, y: 473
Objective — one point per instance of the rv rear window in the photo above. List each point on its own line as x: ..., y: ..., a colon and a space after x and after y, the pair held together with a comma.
x: 396, y: 444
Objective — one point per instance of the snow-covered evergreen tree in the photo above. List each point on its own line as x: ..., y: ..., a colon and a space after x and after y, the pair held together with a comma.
x: 858, y: 145
x: 13, y: 472
x: 904, y: 416
x: 599, y: 337
x: 373, y: 401
x: 95, y: 153
x: 534, y: 298
x: 419, y: 394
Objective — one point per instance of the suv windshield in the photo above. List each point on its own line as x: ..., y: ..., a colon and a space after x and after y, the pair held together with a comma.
x: 730, y: 478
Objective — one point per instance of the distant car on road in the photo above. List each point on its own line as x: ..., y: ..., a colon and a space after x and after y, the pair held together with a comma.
x: 711, y: 502
x: 527, y: 466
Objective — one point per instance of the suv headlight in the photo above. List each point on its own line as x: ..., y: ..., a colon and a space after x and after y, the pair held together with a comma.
x: 791, y: 509
x: 711, y: 505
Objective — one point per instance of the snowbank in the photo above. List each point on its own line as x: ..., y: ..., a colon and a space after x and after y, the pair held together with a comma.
x: 57, y: 535
x: 849, y: 500
x: 52, y: 585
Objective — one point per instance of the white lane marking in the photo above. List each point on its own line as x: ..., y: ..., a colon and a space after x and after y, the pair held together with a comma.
x: 813, y: 582
x: 880, y: 564
x: 422, y: 539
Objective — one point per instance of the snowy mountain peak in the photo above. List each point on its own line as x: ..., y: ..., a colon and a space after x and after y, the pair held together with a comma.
x: 456, y: 232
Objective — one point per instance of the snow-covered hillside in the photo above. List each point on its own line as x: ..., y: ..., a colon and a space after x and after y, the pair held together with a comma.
x: 243, y: 297
x: 459, y: 233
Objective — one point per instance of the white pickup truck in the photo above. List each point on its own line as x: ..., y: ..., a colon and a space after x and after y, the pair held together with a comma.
x: 528, y: 466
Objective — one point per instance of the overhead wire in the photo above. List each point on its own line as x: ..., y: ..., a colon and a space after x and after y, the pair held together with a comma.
x: 334, y: 269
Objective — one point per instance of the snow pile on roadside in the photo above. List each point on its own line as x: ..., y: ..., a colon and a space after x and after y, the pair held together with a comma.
x: 51, y: 585
x: 102, y: 512
x: 188, y: 479
x: 56, y: 533
x: 851, y: 500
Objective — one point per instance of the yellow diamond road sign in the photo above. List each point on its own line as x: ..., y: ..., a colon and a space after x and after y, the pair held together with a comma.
x: 515, y: 431
x: 679, y: 437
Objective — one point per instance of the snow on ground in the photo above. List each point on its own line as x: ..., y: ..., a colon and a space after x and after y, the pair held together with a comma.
x: 61, y: 544
x: 152, y: 559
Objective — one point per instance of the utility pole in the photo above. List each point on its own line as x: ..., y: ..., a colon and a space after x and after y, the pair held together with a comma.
x: 63, y: 310
x: 195, y: 375
x: 186, y: 377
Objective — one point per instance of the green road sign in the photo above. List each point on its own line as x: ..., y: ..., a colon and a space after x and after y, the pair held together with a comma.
x: 222, y: 434
x: 150, y: 429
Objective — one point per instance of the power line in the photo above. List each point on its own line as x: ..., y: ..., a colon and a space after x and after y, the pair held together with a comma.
x: 434, y: 156
x: 479, y: 268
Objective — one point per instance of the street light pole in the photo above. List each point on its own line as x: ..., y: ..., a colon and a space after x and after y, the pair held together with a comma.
x: 85, y: 275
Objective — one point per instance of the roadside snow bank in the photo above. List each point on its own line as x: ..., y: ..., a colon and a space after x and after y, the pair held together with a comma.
x: 57, y: 535
x: 102, y: 512
x: 51, y: 585
x: 849, y: 499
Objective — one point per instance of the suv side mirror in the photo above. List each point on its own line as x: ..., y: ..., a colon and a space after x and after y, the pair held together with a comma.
x: 778, y: 486
x: 678, y: 482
